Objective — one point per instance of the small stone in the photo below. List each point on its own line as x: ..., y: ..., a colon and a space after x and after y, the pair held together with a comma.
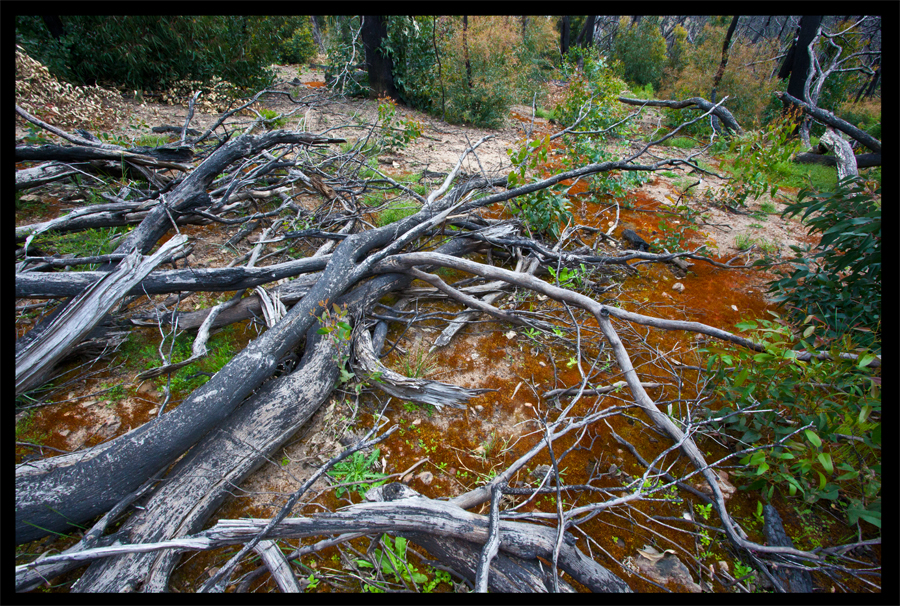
x: 479, y: 407
x: 153, y: 410
x: 678, y: 287
x: 734, y: 307
x: 723, y: 565
x: 425, y: 477
x: 65, y: 432
x: 417, y: 421
x: 407, y: 478
x: 510, y: 335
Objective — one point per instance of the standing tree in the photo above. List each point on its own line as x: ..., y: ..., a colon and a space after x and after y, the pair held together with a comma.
x: 721, y: 71
x: 378, y: 65
x: 797, y: 64
x: 564, y: 32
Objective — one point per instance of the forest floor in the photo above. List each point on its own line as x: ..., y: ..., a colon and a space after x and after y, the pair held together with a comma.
x: 451, y: 449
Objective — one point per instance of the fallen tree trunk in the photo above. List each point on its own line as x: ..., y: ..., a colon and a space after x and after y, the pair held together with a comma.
x: 37, y: 357
x: 862, y: 160
x: 826, y: 117
x: 416, y: 514
x: 846, y: 161
x: 728, y: 120
x: 257, y: 429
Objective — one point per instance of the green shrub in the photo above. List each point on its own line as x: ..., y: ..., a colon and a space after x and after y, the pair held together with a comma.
x: 598, y: 85
x: 745, y: 81
x: 839, y: 281
x: 147, y: 52
x: 838, y: 457
x: 641, y: 50
x: 300, y: 48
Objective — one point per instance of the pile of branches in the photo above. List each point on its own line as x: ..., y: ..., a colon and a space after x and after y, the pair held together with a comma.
x: 181, y: 466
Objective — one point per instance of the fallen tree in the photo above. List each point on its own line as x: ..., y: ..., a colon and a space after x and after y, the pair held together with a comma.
x: 186, y: 461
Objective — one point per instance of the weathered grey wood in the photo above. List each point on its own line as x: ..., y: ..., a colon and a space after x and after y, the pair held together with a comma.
x: 418, y: 514
x: 221, y: 279
x: 728, y: 120
x: 36, y: 359
x: 393, y: 383
x: 206, y: 476
x: 826, y: 117
x: 77, y: 153
x: 42, y: 174
x: 278, y: 566
x: 846, y: 161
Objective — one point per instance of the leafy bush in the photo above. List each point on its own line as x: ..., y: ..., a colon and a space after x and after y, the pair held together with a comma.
x: 597, y: 85
x: 865, y: 115
x: 746, y: 80
x: 641, y: 50
x: 146, y: 52
x: 771, y: 399
x: 839, y: 281
x: 300, y: 47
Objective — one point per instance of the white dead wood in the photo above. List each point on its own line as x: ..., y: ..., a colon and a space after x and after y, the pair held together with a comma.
x: 82, y: 314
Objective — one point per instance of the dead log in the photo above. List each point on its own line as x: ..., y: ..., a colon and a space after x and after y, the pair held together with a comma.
x: 187, y: 499
x: 38, y: 357
x: 862, y: 160
x: 846, y: 161
x: 393, y: 383
x: 415, y: 514
x: 67, y: 284
x: 728, y: 120
x: 200, y: 482
x: 826, y: 117
x: 49, y: 172
x: 159, y: 158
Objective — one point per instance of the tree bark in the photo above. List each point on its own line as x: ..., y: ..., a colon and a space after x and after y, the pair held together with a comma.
x: 564, y: 33
x: 379, y: 67
x: 586, y: 36
x: 799, y: 69
x: 38, y: 356
x: 846, y: 161
x: 728, y: 120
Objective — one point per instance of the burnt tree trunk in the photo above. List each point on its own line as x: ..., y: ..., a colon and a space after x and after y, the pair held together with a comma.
x: 379, y: 66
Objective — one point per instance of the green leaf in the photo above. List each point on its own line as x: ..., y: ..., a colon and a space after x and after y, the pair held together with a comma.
x: 825, y: 460
x: 742, y: 376
x: 813, y: 438
x: 864, y: 413
x: 809, y: 330
x: 865, y: 360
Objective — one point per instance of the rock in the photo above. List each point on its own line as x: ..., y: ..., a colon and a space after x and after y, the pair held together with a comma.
x: 664, y: 568
x: 725, y: 486
x: 425, y: 477
x: 678, y: 287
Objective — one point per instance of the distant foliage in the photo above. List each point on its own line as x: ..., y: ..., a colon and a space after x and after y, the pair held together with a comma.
x: 865, y: 115
x: 429, y: 66
x: 147, y: 52
x: 746, y: 79
x: 641, y: 50
x: 595, y: 88
x: 300, y: 47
